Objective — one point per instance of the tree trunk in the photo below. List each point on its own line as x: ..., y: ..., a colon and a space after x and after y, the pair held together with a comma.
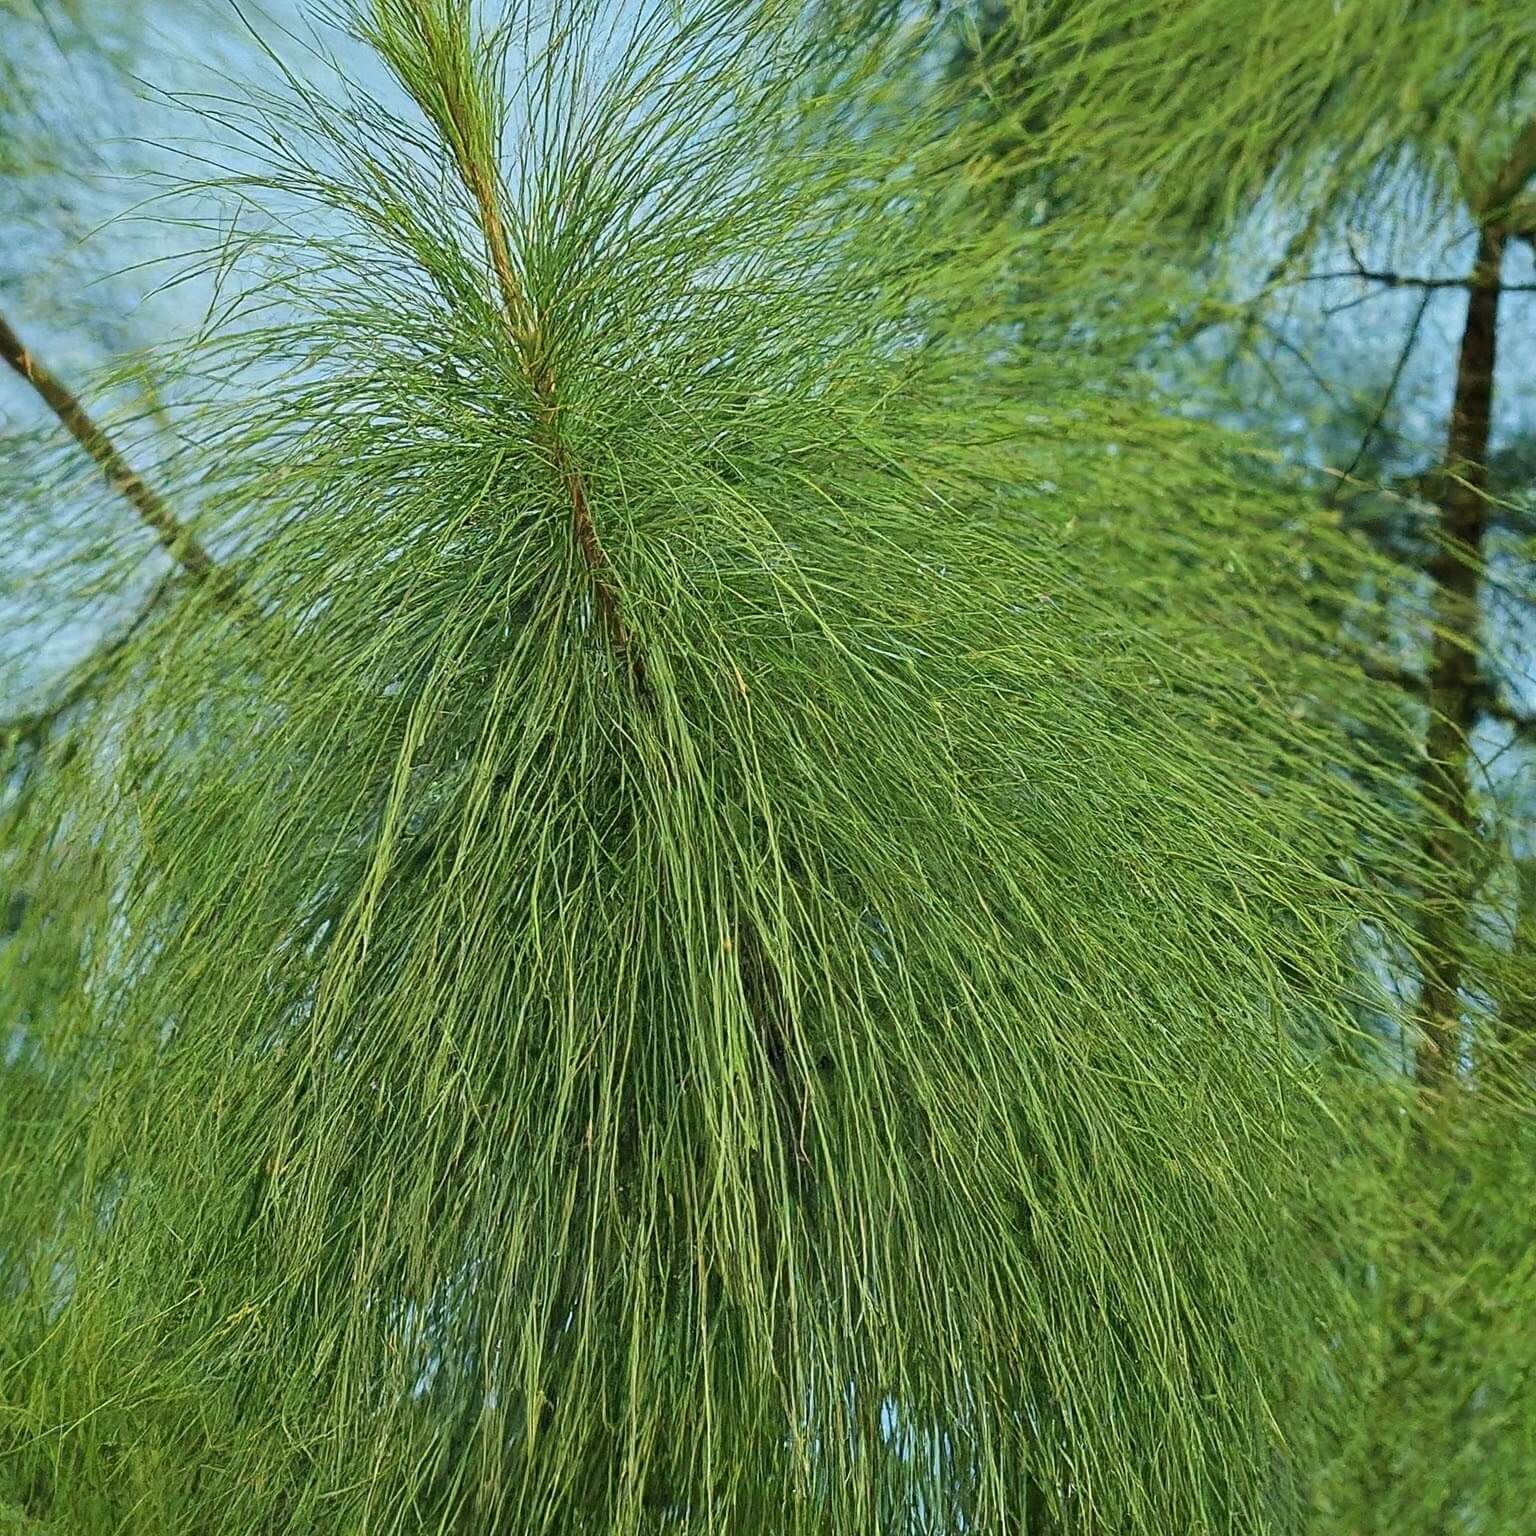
x: 1453, y: 674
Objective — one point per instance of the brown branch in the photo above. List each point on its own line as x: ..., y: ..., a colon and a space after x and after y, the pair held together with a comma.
x: 1488, y: 697
x: 1491, y: 701
x: 523, y: 325
x: 178, y: 540
x: 1455, y: 694
x: 1520, y: 219
x: 480, y: 179
x: 34, y: 727
x: 1386, y: 279
x: 1390, y: 279
x: 1403, y: 280
x: 1507, y: 185
x: 1400, y: 677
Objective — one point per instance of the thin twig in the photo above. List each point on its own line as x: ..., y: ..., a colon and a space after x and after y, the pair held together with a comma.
x: 1374, y: 425
x: 1285, y: 344
x: 1406, y: 280
x: 524, y: 325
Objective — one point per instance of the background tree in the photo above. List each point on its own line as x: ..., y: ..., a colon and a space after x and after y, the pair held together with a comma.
x: 1320, y: 128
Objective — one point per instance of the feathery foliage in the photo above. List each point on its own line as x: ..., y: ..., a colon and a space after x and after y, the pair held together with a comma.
x: 1382, y: 145
x: 1198, y: 110
x: 696, y: 944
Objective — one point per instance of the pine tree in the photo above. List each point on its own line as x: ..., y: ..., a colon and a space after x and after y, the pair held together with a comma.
x: 705, y: 896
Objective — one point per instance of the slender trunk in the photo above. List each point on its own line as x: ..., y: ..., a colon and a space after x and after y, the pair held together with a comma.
x: 1453, y: 673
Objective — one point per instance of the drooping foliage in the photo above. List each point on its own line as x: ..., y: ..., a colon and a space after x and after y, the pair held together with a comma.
x: 1324, y: 157
x: 719, y: 918
x: 1201, y: 109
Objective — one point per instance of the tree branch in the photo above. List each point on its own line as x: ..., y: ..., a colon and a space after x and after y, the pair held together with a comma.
x: 1491, y: 701
x: 1394, y: 673
x: 1486, y: 697
x: 178, y: 540
x: 1518, y: 168
x: 35, y: 726
x: 1453, y: 681
x: 1389, y: 279
x: 1374, y: 426
x: 452, y: 109
x: 1455, y: 692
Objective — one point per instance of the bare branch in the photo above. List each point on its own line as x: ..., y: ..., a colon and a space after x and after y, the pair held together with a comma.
x: 1374, y: 426
x: 1389, y: 279
x: 178, y: 540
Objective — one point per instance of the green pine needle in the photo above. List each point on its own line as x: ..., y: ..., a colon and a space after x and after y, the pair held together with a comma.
x: 731, y: 934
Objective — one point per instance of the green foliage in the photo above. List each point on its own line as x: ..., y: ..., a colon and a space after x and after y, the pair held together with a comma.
x: 1328, y: 143
x: 1200, y: 109
x: 1436, y: 1426
x: 742, y: 924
